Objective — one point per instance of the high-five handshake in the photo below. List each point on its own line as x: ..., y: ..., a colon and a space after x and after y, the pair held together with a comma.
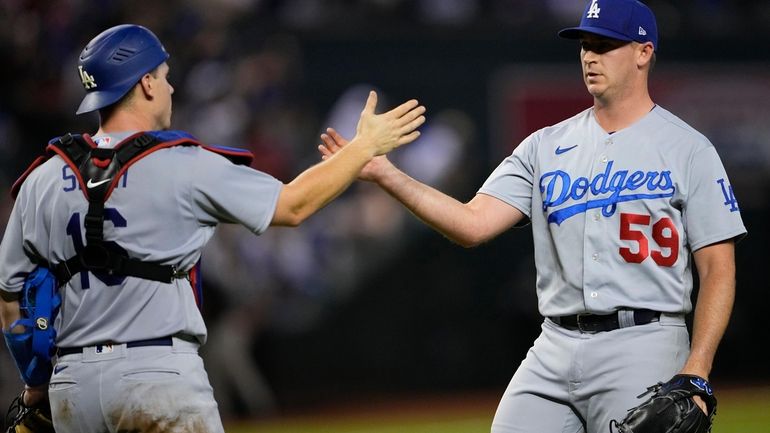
x: 390, y: 130
x: 376, y: 134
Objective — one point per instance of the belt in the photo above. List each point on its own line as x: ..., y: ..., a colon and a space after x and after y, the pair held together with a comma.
x: 162, y: 341
x: 587, y: 322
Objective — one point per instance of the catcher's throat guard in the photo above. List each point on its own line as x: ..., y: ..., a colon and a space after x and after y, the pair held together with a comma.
x: 671, y: 408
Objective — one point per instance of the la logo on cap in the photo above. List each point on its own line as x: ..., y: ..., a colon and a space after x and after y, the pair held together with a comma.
x: 593, y: 11
x: 87, y: 79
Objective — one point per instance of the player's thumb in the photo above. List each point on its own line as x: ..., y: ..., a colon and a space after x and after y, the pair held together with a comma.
x: 371, y: 103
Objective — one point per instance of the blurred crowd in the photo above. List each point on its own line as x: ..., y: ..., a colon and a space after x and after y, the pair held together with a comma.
x: 239, y: 73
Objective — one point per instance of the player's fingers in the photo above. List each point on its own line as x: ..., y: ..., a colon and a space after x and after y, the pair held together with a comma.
x: 339, y: 139
x: 371, y: 103
x: 326, y: 140
x: 403, y: 108
x: 324, y: 151
x: 408, y: 138
x: 700, y: 403
x: 411, y: 115
x: 330, y: 143
x: 411, y: 126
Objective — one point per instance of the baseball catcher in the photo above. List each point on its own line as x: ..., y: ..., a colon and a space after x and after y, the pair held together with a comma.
x: 671, y: 409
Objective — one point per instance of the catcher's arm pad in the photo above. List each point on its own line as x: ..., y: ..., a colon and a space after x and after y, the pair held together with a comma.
x: 671, y: 408
x: 32, y: 349
x: 21, y: 418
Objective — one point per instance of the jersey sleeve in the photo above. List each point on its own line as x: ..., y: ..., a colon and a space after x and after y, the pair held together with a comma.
x: 14, y: 263
x: 229, y: 193
x: 711, y: 212
x: 513, y: 179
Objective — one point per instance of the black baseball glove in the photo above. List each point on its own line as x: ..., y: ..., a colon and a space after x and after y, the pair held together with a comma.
x: 29, y: 419
x: 671, y: 408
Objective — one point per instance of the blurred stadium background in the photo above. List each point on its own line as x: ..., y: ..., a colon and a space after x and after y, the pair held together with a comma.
x: 363, y: 308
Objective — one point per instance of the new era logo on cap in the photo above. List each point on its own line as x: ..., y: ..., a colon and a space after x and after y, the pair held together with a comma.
x: 625, y: 20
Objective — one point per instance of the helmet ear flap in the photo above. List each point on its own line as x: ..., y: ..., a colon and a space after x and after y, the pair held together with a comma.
x: 116, y: 60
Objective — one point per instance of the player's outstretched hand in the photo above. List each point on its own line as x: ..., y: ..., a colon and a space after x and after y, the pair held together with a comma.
x: 333, y: 142
x: 387, y: 131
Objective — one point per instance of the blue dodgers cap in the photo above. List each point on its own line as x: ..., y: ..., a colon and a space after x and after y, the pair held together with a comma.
x: 626, y: 20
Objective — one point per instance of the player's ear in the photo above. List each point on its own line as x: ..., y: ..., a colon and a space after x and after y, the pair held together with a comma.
x: 644, y: 54
x: 147, y: 85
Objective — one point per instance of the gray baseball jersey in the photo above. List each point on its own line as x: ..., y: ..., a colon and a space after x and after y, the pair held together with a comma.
x: 164, y: 209
x: 616, y: 216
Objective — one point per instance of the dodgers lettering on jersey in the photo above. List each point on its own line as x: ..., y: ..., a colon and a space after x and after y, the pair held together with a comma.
x: 559, y: 189
x: 616, y: 216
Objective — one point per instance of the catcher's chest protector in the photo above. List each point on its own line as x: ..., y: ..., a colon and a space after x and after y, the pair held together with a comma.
x: 98, y: 171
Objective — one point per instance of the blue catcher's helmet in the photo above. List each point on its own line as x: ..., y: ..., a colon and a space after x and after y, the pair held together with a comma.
x: 114, y: 61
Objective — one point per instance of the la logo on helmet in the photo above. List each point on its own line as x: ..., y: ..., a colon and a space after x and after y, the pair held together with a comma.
x: 593, y: 12
x: 87, y: 79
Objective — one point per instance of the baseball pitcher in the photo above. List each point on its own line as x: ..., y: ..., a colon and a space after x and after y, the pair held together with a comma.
x: 624, y: 200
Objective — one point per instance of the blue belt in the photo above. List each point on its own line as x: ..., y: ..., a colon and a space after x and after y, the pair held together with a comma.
x: 162, y: 341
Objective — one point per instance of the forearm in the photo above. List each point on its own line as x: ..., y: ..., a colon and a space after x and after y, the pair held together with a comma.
x: 714, y: 305
x: 9, y: 312
x: 317, y: 186
x: 450, y: 217
x: 712, y: 314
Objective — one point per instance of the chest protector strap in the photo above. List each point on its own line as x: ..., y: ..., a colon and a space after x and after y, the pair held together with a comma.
x: 103, y: 168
